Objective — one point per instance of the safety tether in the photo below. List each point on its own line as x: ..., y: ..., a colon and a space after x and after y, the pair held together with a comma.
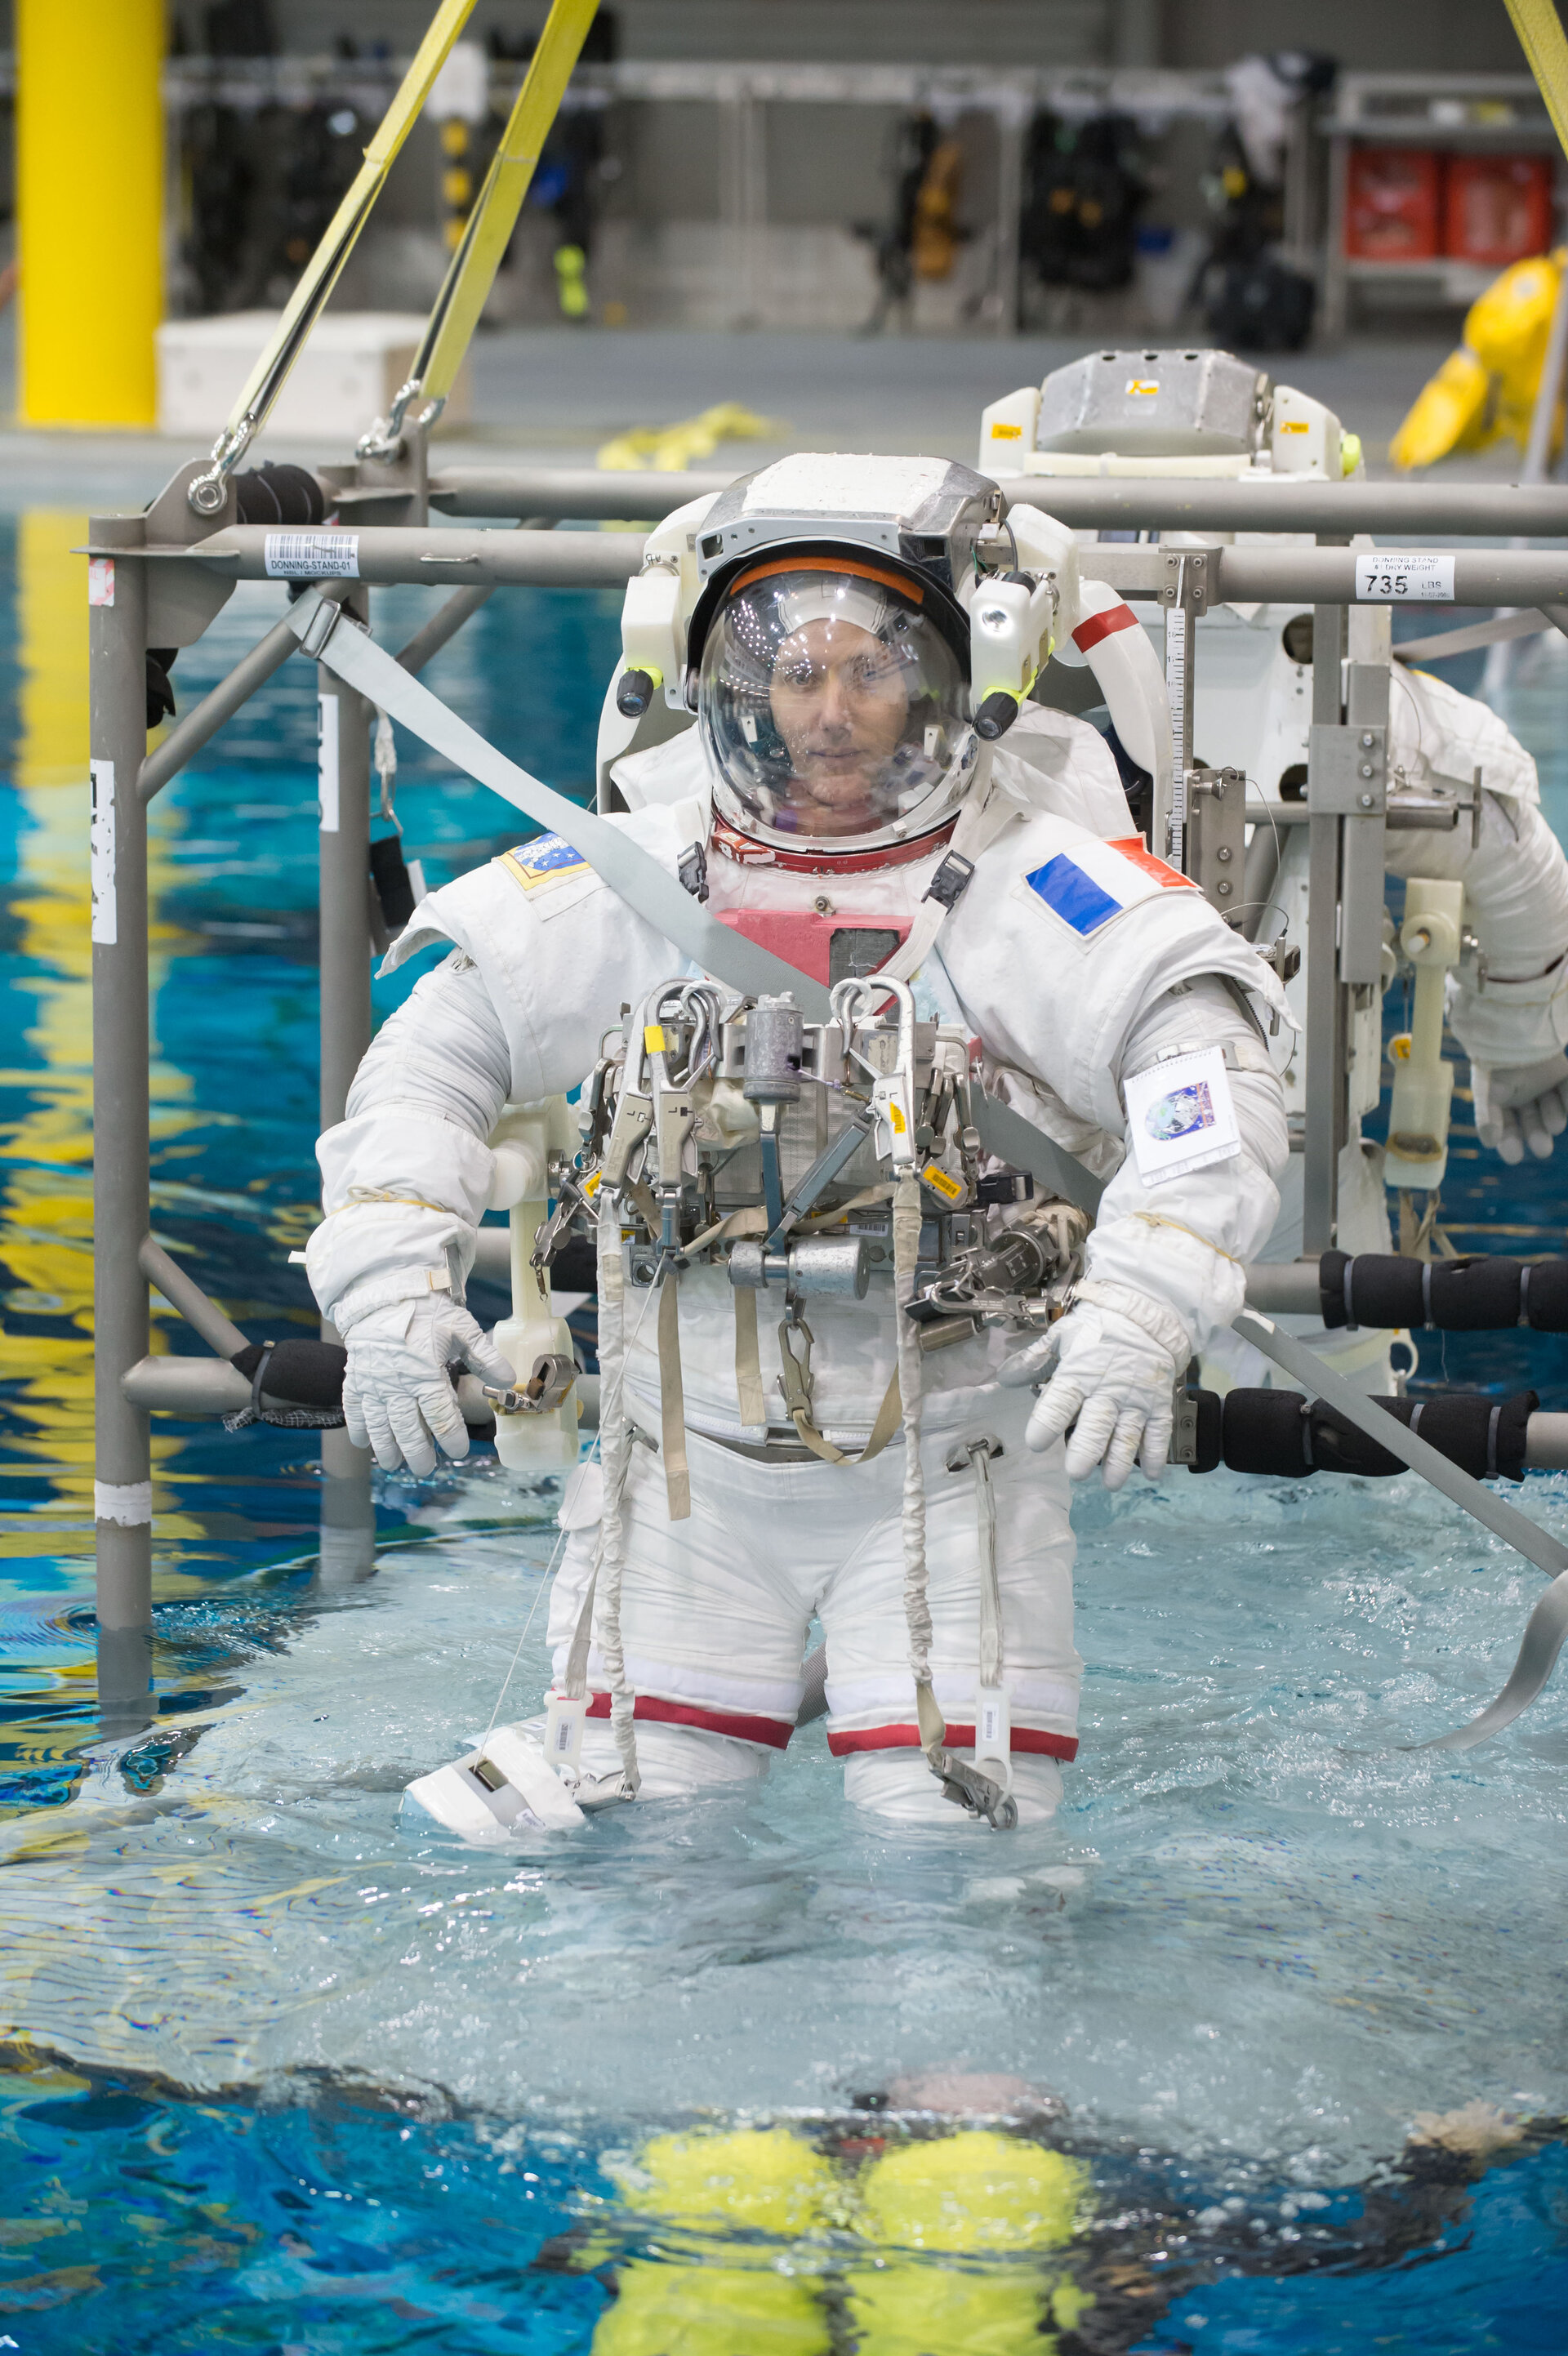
x: 471, y: 272
x: 207, y: 491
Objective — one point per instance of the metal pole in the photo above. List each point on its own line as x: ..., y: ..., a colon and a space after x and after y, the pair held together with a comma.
x: 1012, y: 114
x: 123, y: 1491
x: 1280, y: 503
x: 183, y: 1292
x: 347, y: 1515
x: 1325, y: 1057
x: 203, y: 720
x: 1537, y: 459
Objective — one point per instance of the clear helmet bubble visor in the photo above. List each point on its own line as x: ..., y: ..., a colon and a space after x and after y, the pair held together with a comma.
x: 833, y: 705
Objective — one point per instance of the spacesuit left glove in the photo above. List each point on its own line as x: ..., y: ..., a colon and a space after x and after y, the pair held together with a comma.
x: 1110, y: 1378
x: 1526, y: 1105
x: 398, y: 1397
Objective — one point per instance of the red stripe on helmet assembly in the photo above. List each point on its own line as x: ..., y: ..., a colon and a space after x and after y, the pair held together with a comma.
x: 1102, y: 625
x: 908, y: 1737
x: 739, y: 1725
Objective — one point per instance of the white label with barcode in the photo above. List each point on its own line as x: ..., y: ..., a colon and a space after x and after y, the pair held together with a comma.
x: 1398, y: 576
x: 312, y: 555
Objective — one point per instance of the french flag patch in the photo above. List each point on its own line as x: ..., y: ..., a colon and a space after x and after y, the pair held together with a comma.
x: 1095, y: 881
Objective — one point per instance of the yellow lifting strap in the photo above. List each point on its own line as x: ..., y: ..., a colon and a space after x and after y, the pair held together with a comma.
x: 471, y: 275
x: 1541, y: 38
x: 325, y: 264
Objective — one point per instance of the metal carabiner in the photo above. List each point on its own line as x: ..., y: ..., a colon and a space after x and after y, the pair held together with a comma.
x: 796, y: 1366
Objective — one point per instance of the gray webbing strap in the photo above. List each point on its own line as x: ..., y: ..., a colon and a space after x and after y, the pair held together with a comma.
x: 672, y: 1401
x: 748, y: 1359
x: 644, y: 886
x: 1548, y: 1623
x: 1024, y: 1146
x: 349, y: 649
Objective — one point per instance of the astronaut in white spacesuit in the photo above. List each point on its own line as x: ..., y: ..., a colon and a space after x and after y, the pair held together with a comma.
x: 827, y: 621
x: 1207, y: 414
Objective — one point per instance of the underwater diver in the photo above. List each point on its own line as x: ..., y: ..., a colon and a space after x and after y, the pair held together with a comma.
x: 907, y: 2226
x: 1203, y: 414
x: 822, y: 618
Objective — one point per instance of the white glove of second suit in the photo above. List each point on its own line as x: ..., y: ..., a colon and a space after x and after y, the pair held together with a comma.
x: 1524, y: 1106
x: 398, y: 1397
x: 1107, y: 1377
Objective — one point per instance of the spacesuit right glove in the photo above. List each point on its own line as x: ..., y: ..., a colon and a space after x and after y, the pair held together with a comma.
x: 1526, y: 1105
x: 397, y: 1393
x: 1110, y: 1378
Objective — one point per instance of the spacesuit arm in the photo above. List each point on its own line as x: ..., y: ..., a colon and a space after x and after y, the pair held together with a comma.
x: 1189, y: 1238
x: 407, y: 1173
x: 1510, y: 1006
x: 1164, y: 1266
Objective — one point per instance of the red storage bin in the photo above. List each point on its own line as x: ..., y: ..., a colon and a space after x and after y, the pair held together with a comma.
x: 1392, y: 204
x: 1496, y: 209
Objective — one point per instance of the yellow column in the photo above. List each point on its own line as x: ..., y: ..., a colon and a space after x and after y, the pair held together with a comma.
x: 89, y: 209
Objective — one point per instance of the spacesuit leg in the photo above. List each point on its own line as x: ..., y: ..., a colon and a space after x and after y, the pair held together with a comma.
x: 713, y: 1616
x: 871, y: 1697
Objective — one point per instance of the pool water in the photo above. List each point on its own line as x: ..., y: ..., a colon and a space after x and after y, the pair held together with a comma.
x: 288, y: 2070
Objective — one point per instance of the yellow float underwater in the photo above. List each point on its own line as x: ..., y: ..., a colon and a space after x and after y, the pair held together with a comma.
x: 955, y: 2226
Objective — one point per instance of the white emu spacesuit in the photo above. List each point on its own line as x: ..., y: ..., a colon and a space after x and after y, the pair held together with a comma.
x: 1207, y: 414
x: 828, y: 621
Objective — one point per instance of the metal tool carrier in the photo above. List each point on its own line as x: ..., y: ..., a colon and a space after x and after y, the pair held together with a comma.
x: 683, y: 1116
x: 769, y: 1146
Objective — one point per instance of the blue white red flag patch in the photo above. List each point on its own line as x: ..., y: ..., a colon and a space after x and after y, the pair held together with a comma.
x: 1093, y: 882
x: 548, y: 859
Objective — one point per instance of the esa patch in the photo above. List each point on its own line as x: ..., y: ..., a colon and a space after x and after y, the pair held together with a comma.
x: 547, y: 860
x: 1093, y: 882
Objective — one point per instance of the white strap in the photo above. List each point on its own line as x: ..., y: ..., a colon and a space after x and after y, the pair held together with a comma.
x: 1160, y: 1324
x: 383, y: 1292
x: 979, y: 822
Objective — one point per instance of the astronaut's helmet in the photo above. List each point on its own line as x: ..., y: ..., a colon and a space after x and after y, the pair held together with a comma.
x: 829, y: 650
x: 832, y: 704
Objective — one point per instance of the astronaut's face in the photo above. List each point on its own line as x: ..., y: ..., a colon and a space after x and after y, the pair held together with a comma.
x: 840, y: 701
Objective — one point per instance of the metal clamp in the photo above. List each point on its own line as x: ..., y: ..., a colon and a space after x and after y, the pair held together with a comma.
x: 1189, y: 588
x: 972, y: 1790
x: 319, y: 628
x: 208, y: 493
x: 545, y: 1389
x: 1348, y: 772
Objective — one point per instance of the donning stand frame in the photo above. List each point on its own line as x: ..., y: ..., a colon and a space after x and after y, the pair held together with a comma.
x: 163, y: 577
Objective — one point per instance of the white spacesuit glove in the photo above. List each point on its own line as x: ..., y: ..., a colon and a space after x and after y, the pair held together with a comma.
x: 1524, y: 1106
x: 1109, y: 1376
x: 398, y: 1397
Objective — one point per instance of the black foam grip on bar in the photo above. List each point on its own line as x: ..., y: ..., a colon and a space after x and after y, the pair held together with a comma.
x: 1210, y: 1432
x: 1473, y: 1296
x: 1267, y: 1432
x: 1478, y: 1295
x: 1373, y: 1289
x: 1331, y: 1271
x: 1544, y: 1295
x: 1484, y: 1437
x: 305, y: 1374
x: 1283, y: 1437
